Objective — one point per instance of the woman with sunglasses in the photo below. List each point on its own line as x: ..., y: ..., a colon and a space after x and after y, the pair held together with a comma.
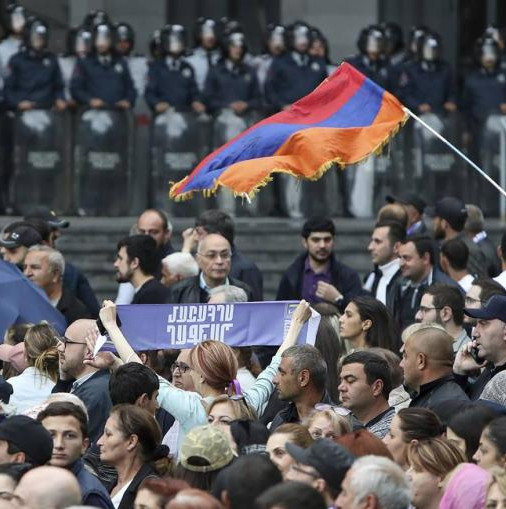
x: 213, y: 368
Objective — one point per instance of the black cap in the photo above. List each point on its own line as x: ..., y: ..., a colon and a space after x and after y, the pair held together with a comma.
x: 408, y: 199
x: 48, y: 215
x: 21, y: 234
x: 329, y: 459
x: 29, y: 436
x: 452, y: 209
x: 494, y: 309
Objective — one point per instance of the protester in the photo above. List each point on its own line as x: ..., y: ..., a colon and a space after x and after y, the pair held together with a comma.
x: 430, y: 461
x: 204, y: 451
x: 480, y: 292
x: 465, y: 427
x: 496, y: 494
x: 156, y: 493
x: 51, y: 487
x: 366, y: 323
x: 379, y: 481
x: 131, y: 444
x: 176, y: 267
x: 10, y: 475
x: 409, y: 426
x: 16, y: 238
x: 193, y: 499
x: 453, y: 259
x: 492, y: 448
x: 414, y: 207
x: 328, y: 422
x: 276, y: 444
x: 363, y: 443
x: 36, y: 382
x: 393, y: 212
x: 68, y: 426
x: 364, y: 389
x: 291, y: 495
x: 316, y: 275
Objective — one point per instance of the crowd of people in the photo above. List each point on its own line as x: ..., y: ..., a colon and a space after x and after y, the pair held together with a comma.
x: 219, y: 78
x: 401, y: 402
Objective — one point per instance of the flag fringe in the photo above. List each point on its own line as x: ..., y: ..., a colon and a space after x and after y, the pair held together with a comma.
x: 208, y: 193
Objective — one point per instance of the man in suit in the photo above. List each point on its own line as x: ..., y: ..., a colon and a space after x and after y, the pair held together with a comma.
x: 137, y: 262
x: 214, y: 256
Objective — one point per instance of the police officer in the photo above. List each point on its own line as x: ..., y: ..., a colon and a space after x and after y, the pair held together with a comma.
x: 296, y: 73
x: 427, y: 84
x: 206, y: 52
x: 124, y: 39
x: 275, y: 46
x: 35, y: 79
x: 371, y: 59
x: 102, y: 79
x: 232, y: 83
x: 16, y: 21
x: 319, y: 48
x: 171, y: 81
x: 394, y: 43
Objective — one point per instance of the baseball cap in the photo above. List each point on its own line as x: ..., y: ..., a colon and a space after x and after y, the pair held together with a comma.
x: 408, y: 199
x: 205, y: 449
x: 450, y: 208
x: 47, y: 215
x: 494, y: 309
x: 29, y: 436
x: 20, y: 234
x: 329, y: 459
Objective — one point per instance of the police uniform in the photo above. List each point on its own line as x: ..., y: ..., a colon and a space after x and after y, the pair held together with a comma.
x: 173, y: 81
x: 103, y: 77
x: 202, y: 60
x: 228, y: 82
x: 291, y: 77
x: 426, y: 82
x: 376, y: 70
x: 34, y: 77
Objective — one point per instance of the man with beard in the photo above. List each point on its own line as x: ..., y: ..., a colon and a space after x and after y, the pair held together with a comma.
x: 316, y: 275
x: 137, y: 262
x: 449, y: 218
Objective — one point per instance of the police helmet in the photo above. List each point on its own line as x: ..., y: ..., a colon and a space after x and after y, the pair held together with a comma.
x: 173, y: 39
x: 299, y: 36
x: 124, y: 38
x: 103, y: 36
x: 371, y: 40
x: 416, y: 35
x: 205, y: 28
x: 94, y: 18
x: 275, y: 39
x: 36, y: 34
x: 79, y: 42
x: 430, y: 48
x: 394, y: 38
x: 486, y: 48
x: 16, y: 18
x: 237, y: 39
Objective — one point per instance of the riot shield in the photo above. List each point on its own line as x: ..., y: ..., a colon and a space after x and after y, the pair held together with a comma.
x: 179, y: 140
x: 441, y: 170
x: 103, y: 162
x: 42, y: 160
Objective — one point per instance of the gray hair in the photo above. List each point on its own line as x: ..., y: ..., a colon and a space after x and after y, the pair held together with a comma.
x: 55, y: 259
x: 181, y: 264
x: 231, y: 293
x: 308, y: 357
x: 381, y: 477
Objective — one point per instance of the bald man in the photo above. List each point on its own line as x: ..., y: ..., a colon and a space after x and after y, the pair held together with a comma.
x: 427, y: 362
x: 214, y: 255
x: 89, y: 384
x: 48, y: 488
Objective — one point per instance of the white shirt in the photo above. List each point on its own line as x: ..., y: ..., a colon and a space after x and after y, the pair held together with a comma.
x: 30, y: 388
x: 466, y: 282
x: 126, y: 293
x: 116, y: 500
x: 388, y: 271
x: 245, y: 378
x: 501, y: 279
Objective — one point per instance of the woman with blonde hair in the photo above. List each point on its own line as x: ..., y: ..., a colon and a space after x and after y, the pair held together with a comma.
x: 496, y: 495
x: 430, y: 461
x: 36, y: 382
x: 327, y: 423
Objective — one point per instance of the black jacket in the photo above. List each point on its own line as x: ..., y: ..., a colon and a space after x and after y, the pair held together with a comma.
x: 128, y: 500
x: 151, y: 292
x: 474, y: 390
x: 344, y: 278
x: 246, y: 271
x: 437, y: 391
x: 71, y: 307
x: 188, y: 291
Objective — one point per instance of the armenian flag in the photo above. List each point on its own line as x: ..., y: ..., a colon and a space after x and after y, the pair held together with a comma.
x: 344, y: 120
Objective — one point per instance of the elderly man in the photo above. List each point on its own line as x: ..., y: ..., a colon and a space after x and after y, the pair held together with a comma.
x: 214, y: 260
x: 44, y: 266
x: 178, y: 266
x: 376, y: 483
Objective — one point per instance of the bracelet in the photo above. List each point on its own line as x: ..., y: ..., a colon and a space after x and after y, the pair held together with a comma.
x: 128, y: 358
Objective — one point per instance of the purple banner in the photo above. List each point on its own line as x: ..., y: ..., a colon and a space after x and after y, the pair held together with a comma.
x: 159, y: 326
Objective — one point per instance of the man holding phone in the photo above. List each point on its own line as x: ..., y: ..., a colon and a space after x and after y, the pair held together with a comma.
x: 488, y: 345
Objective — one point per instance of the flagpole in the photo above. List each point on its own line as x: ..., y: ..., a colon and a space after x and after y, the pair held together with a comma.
x: 456, y: 150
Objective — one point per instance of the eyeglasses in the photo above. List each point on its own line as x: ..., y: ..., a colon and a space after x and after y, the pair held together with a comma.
x: 213, y: 255
x: 62, y: 340
x: 183, y: 367
x: 425, y: 309
x: 339, y: 410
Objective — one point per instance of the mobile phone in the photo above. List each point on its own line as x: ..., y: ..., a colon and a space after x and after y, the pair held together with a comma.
x: 475, y: 355
x: 101, y: 327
